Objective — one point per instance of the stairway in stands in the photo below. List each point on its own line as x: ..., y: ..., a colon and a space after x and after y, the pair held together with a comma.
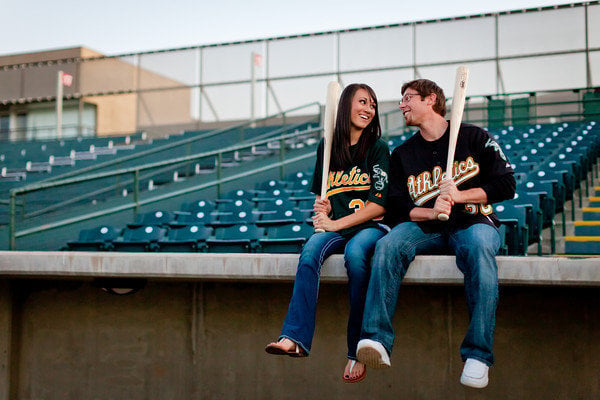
x: 586, y: 229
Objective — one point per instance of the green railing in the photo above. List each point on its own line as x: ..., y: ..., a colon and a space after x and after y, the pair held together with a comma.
x: 186, y: 142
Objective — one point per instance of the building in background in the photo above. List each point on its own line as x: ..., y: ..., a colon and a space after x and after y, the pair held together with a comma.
x: 101, y: 99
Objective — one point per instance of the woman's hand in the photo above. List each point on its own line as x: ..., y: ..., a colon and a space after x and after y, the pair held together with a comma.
x: 322, y: 206
x: 322, y: 221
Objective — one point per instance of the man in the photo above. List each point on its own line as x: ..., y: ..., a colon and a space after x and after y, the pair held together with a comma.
x: 418, y: 193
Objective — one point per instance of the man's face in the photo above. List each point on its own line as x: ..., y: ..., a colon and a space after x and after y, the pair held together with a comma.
x: 413, y: 106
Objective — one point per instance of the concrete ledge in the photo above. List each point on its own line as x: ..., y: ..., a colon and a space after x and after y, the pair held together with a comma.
x: 559, y: 271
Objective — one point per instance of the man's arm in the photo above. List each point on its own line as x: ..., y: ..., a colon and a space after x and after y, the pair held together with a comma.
x: 443, y: 205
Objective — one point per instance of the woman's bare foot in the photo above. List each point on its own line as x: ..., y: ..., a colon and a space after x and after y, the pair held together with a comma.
x: 287, y: 344
x: 286, y: 347
x: 355, y: 371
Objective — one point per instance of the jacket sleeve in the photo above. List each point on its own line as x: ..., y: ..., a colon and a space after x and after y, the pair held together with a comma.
x: 499, y: 182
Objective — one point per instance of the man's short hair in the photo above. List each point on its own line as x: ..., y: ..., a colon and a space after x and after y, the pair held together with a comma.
x: 425, y: 87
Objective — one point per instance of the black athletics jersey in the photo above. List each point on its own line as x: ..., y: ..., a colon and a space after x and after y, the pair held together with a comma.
x: 416, y: 169
x: 350, y: 189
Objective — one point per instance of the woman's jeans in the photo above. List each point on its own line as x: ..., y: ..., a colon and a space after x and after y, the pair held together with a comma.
x: 475, y: 248
x: 299, y: 324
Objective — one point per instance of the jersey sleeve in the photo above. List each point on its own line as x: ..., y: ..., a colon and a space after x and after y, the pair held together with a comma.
x: 378, y: 163
x: 315, y: 186
x: 399, y: 202
x: 498, y: 179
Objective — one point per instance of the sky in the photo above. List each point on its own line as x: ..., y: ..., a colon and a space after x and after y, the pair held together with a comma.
x: 114, y: 27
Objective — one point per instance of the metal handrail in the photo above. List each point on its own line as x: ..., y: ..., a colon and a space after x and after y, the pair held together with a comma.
x: 179, y: 143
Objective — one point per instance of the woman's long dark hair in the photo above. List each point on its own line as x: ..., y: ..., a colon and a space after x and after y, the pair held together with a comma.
x: 340, y: 146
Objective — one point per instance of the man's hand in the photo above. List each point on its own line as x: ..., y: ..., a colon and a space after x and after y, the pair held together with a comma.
x: 448, y: 188
x: 443, y: 205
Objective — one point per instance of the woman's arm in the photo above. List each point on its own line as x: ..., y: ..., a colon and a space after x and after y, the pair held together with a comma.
x: 367, y: 213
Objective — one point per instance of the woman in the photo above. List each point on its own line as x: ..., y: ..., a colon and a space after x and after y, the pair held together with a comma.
x: 355, y: 201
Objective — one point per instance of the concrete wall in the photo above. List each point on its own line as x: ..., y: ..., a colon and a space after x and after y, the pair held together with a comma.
x: 202, y: 336
x: 205, y: 340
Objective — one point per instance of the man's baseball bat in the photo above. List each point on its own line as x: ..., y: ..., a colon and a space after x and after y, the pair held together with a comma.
x: 458, y: 106
x: 331, y: 105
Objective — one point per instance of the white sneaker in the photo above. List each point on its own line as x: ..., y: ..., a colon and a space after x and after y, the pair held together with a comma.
x: 475, y: 374
x: 372, y: 354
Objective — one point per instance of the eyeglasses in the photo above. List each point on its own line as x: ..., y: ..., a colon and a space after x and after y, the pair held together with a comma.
x: 408, y: 97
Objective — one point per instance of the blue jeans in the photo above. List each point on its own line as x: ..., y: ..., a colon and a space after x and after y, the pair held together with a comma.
x: 475, y: 248
x: 299, y: 323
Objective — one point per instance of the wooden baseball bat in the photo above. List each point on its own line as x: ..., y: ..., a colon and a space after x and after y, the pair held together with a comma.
x: 458, y: 106
x: 331, y: 105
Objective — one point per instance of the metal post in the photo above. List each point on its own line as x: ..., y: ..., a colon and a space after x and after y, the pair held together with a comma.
x: 252, y: 88
x: 136, y: 192
x: 281, y: 157
x: 219, y: 163
x: 588, y: 68
x: 12, y: 221
x: 80, y: 118
x: 138, y: 99
x: 59, y: 104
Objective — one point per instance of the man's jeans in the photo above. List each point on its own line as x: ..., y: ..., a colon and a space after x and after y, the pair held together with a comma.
x: 475, y: 248
x: 299, y: 324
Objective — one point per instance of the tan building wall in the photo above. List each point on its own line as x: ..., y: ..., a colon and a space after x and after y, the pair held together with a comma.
x: 109, y: 83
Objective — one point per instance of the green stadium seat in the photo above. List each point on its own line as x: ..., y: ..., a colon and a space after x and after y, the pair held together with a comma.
x: 242, y: 238
x: 203, y: 205
x: 138, y: 239
x: 517, y: 230
x: 281, y: 215
x: 235, y: 206
x: 95, y: 239
x: 272, y: 184
x: 235, y: 217
x: 286, y: 238
x: 188, y: 238
x: 196, y: 218
x: 157, y: 218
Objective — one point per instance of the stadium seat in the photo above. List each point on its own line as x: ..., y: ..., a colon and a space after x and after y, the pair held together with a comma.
x: 239, y: 194
x: 235, y: 217
x: 273, y: 204
x: 197, y: 218
x: 188, y: 238
x: 275, y: 193
x: 281, y: 215
x: 203, y: 205
x: 272, y: 184
x: 157, y: 218
x: 242, y: 238
x: 306, y: 204
x: 235, y: 206
x: 299, y: 177
x: 95, y: 239
x: 517, y: 231
x: 286, y: 238
x: 138, y: 239
x: 303, y: 194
